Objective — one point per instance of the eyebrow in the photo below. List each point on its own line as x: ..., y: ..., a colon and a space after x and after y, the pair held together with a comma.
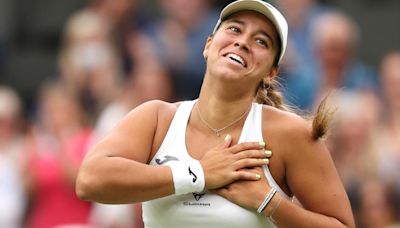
x: 234, y: 20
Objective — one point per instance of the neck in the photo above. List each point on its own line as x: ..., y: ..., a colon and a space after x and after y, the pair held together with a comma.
x: 218, y: 112
x: 221, y: 110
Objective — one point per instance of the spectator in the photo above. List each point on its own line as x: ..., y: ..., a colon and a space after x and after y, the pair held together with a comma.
x: 57, y: 144
x: 335, y: 38
x: 89, y: 63
x: 123, y: 18
x: 353, y: 142
x: 300, y: 14
x: 179, y: 39
x: 376, y: 207
x: 389, y: 159
x: 12, y: 197
x: 299, y: 58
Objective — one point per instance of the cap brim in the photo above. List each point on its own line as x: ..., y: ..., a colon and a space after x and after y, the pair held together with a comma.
x: 237, y: 6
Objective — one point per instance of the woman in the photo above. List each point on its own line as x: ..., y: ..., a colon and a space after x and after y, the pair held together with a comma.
x: 57, y: 142
x: 174, y: 157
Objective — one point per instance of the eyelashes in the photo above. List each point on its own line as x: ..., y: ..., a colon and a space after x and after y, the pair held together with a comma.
x: 259, y: 41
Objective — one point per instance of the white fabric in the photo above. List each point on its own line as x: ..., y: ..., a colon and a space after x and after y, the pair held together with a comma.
x: 188, y: 177
x: 12, y: 197
x: 203, y: 209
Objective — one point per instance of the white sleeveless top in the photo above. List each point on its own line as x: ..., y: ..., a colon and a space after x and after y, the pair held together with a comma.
x: 205, y: 209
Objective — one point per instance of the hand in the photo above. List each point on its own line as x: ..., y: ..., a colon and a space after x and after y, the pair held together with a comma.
x: 224, y: 164
x: 248, y: 194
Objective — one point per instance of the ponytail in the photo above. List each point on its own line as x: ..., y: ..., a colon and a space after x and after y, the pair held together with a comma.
x: 271, y: 95
x: 321, y: 120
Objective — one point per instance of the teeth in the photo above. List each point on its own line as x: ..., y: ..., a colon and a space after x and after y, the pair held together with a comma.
x: 237, y: 58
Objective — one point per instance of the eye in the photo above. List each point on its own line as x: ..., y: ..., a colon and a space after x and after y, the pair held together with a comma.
x: 262, y: 42
x: 234, y: 29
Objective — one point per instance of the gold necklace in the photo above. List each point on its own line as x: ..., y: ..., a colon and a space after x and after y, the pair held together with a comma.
x: 217, y: 131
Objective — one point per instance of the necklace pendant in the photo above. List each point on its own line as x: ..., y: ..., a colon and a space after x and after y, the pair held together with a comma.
x: 219, y: 130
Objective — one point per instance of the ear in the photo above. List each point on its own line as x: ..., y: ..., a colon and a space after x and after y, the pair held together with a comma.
x: 206, y: 47
x: 271, y: 76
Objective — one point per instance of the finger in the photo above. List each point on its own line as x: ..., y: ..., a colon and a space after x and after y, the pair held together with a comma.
x: 246, y: 175
x: 250, y: 162
x: 261, y: 153
x: 257, y: 169
x: 247, y: 146
x: 226, y: 143
x: 268, y: 153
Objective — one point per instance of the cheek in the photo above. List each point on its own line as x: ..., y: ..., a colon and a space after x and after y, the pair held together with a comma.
x: 220, y: 41
x: 265, y: 62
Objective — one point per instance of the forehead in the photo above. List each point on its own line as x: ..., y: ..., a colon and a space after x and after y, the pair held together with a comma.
x: 253, y: 18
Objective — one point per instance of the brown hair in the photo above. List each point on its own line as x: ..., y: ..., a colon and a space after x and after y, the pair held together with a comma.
x: 271, y: 95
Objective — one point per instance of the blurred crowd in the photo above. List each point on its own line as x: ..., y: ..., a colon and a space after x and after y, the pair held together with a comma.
x: 113, y: 57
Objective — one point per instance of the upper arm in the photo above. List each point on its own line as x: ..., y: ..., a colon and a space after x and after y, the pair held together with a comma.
x: 311, y: 174
x: 133, y: 136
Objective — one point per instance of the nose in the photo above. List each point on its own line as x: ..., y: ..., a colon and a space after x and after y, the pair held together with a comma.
x: 242, y: 44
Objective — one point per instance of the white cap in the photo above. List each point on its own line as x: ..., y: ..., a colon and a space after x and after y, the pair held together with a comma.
x: 264, y: 8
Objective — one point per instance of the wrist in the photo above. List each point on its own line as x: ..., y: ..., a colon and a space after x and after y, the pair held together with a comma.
x: 187, y: 177
x: 273, y: 206
x: 267, y: 200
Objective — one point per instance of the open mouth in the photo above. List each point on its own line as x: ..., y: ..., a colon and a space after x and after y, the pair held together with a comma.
x: 237, y: 59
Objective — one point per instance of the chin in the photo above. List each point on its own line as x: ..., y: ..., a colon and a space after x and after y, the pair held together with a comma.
x: 228, y: 72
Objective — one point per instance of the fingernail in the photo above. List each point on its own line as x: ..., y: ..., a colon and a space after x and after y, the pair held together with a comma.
x: 266, y: 160
x: 261, y: 143
x: 258, y: 176
x: 227, y: 137
x: 268, y: 152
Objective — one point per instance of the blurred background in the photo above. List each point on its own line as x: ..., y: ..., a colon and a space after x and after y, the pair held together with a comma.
x: 70, y: 69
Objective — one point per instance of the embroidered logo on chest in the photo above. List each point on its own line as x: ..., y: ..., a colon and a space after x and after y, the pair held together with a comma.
x: 197, y: 196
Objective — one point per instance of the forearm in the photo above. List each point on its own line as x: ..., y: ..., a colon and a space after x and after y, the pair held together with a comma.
x: 117, y: 180
x: 285, y: 213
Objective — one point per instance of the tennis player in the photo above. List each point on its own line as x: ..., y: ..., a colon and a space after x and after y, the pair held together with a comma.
x: 208, y: 162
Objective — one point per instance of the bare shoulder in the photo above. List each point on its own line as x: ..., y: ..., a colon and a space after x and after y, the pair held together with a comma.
x: 288, y: 125
x: 155, y: 114
x: 153, y: 107
x: 165, y: 111
x: 150, y: 114
x: 159, y: 114
x: 140, y: 132
x: 291, y: 135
